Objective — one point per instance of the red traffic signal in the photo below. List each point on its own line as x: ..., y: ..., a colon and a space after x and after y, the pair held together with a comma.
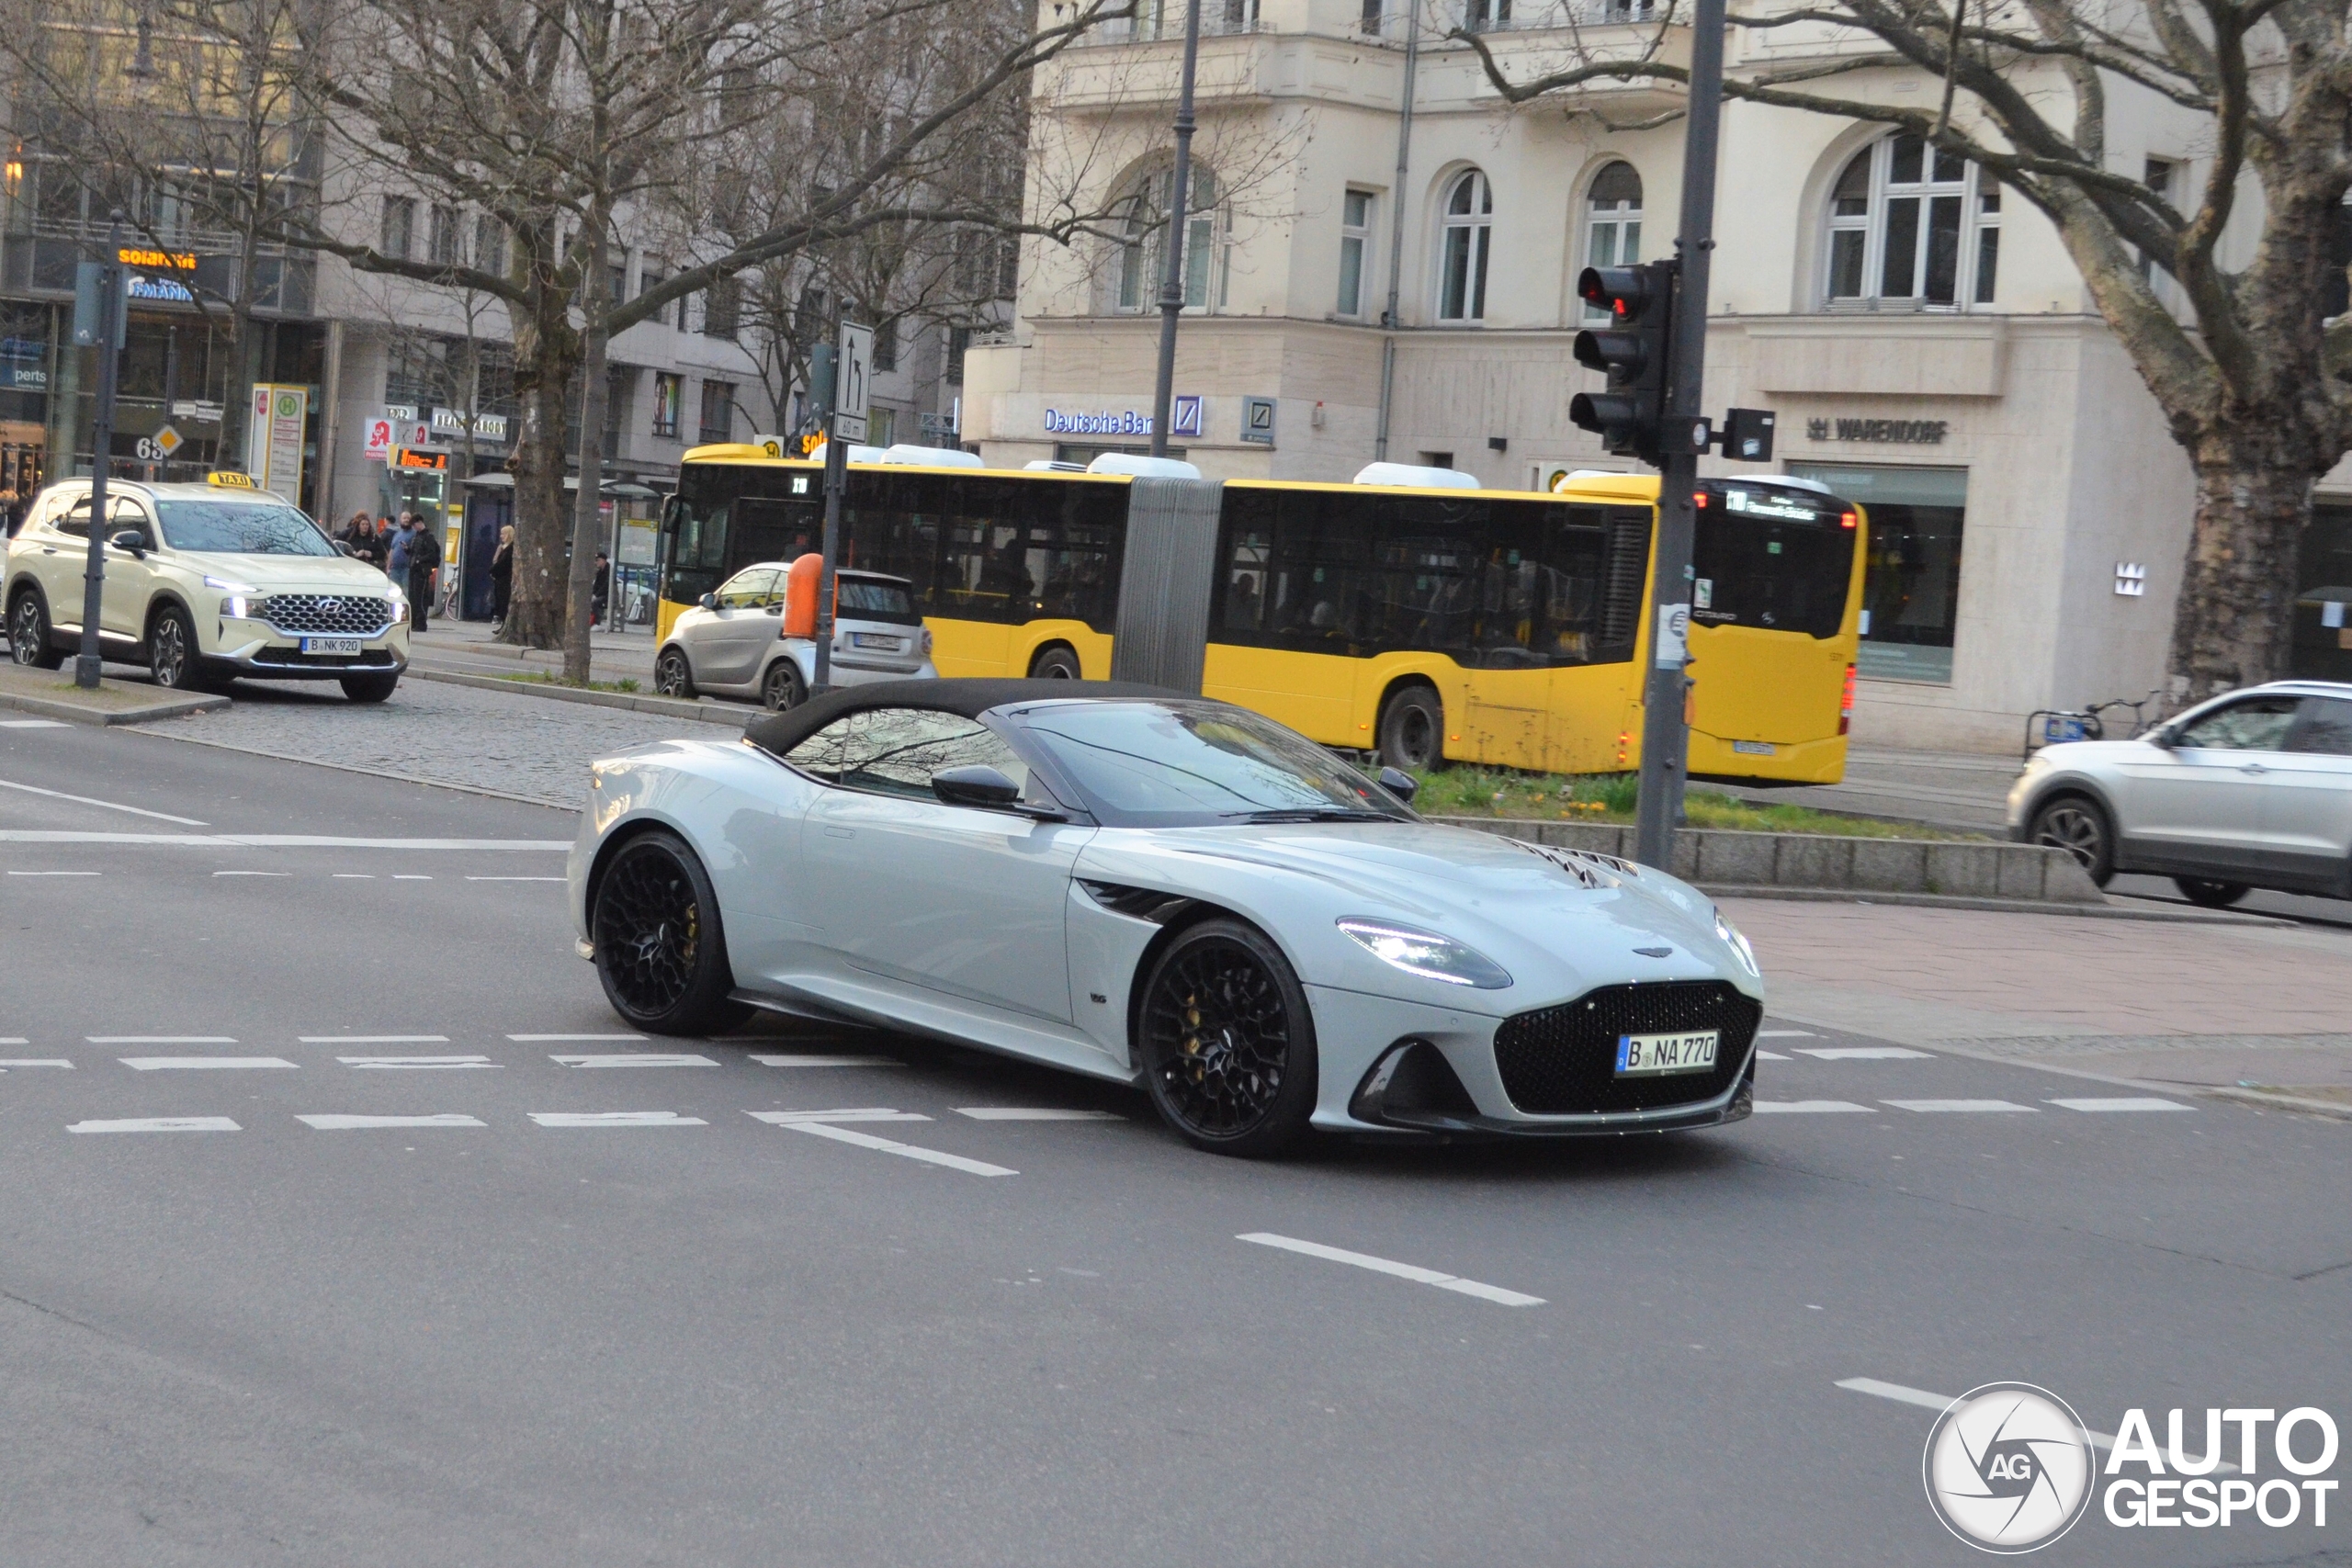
x: 1627, y: 293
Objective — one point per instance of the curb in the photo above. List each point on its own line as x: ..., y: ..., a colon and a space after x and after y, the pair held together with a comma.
x: 1993, y: 906
x: 2328, y: 1107
x: 77, y: 713
x: 673, y: 707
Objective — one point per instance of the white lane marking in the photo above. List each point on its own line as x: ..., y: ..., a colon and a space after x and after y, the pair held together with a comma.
x: 1785, y: 1034
x: 13, y: 1040
x: 159, y: 1124
x: 2120, y: 1103
x: 1766, y: 1107
x: 1401, y: 1271
x: 108, y: 805
x: 634, y: 1060
x: 420, y: 1062
x: 57, y: 873
x: 1764, y: 1055
x: 355, y: 876
x: 560, y: 1039
x: 33, y: 724
x: 173, y: 1064
x: 513, y: 879
x: 1933, y: 1106
x: 32, y: 1061
x: 1033, y: 1113
x: 863, y: 1113
x: 803, y: 1122
x: 373, y: 1039
x: 252, y: 874
x: 1864, y: 1052
x: 159, y: 1039
x: 271, y: 840
x: 616, y: 1119
x: 806, y: 1061
x: 337, y: 1124
x: 410, y: 876
x: 1939, y: 1402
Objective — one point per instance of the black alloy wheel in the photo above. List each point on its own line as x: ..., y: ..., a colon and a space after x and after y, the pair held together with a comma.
x: 171, y: 650
x: 660, y: 952
x: 781, y: 687
x: 28, y: 633
x: 1055, y: 664
x: 1228, y: 1045
x: 2079, y: 827
x: 1412, y: 730
x: 672, y: 676
x: 2208, y: 894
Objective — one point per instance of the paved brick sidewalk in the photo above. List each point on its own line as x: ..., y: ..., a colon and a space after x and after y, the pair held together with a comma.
x: 2184, y: 1003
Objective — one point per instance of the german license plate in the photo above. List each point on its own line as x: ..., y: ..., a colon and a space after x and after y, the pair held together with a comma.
x: 1655, y: 1056
x: 349, y: 645
x: 1754, y: 747
x: 872, y: 640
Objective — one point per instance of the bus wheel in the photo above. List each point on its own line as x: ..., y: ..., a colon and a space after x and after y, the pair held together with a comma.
x: 1055, y: 663
x: 1412, y: 730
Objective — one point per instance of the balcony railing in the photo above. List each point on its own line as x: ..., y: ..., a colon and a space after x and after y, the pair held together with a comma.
x: 1158, y: 19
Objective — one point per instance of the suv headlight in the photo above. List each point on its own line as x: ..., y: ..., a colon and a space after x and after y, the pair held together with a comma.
x: 236, y: 607
x: 1730, y: 936
x: 1425, y: 954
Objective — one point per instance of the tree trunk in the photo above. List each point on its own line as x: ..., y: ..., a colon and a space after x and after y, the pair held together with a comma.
x: 2236, y: 620
x: 586, y: 516
x: 546, y: 356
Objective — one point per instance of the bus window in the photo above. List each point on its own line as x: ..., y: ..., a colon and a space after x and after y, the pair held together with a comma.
x: 1767, y: 558
x: 769, y: 529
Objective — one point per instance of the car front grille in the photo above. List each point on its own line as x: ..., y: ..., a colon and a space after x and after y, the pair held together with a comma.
x: 327, y: 614
x: 1562, y: 1061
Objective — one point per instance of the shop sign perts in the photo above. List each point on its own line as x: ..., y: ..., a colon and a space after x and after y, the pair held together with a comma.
x: 1881, y: 431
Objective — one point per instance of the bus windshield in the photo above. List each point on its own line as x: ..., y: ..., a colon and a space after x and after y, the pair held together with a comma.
x: 1773, y: 559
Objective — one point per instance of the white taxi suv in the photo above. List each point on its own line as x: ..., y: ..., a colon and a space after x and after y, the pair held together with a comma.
x: 204, y: 583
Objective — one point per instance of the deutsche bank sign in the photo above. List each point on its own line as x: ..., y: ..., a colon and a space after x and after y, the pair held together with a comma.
x: 1108, y: 421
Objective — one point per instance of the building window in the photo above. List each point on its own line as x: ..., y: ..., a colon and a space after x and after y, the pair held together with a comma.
x: 399, y: 228
x: 1911, y: 592
x: 1912, y: 226
x: 1355, y: 235
x: 1140, y: 255
x: 490, y: 245
x: 722, y: 306
x: 617, y: 278
x: 717, y: 411
x: 885, y: 343
x: 881, y: 425
x: 2157, y: 174
x: 668, y: 394
x: 1482, y: 16
x: 1461, y: 256
x: 443, y: 242
x: 1612, y: 224
x: 1373, y: 11
x: 958, y: 340
x: 649, y: 278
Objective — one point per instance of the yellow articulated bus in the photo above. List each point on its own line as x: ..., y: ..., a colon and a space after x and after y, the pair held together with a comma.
x: 1508, y: 628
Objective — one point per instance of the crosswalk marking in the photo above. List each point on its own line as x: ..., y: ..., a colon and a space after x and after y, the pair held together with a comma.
x: 340, y: 1124
x: 616, y: 1119
x: 5, y: 1063
x: 421, y: 1064
x: 159, y: 1124
x: 373, y: 1039
x: 177, y: 1064
x: 1863, y: 1053
x: 1785, y: 1034
x: 561, y: 1039
x: 1033, y: 1113
x: 1933, y: 1106
x: 817, y: 1061
x: 1764, y: 1055
x: 1805, y: 1107
x: 2120, y: 1103
x: 807, y: 1122
x: 634, y: 1060
x: 863, y: 1113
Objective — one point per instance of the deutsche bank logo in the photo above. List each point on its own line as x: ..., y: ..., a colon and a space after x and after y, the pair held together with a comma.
x: 2008, y: 1467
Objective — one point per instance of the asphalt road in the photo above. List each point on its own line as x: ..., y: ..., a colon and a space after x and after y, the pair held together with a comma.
x: 603, y: 1314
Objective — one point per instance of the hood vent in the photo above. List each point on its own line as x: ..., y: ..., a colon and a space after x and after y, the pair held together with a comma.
x: 1590, y: 868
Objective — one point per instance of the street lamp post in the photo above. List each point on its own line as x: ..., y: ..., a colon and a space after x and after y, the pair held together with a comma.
x: 1171, y: 285
x: 110, y: 305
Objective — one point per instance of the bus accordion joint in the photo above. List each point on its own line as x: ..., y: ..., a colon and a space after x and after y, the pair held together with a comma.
x: 1846, y: 699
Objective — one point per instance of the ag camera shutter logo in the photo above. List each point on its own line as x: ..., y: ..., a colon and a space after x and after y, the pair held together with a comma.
x: 2008, y: 1468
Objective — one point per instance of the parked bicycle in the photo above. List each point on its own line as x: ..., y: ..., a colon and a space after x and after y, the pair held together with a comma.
x: 2058, y: 726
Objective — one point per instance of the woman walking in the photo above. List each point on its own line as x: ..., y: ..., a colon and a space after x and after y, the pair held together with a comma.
x: 502, y: 577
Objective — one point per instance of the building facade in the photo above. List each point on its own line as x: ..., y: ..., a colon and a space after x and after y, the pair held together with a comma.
x: 1928, y: 347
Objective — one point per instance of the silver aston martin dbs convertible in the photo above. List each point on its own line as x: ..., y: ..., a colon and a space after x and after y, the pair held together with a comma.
x: 1161, y: 890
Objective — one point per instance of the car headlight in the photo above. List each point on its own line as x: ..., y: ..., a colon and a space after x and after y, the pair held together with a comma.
x: 228, y: 586
x: 236, y: 606
x: 1425, y: 954
x: 1730, y: 936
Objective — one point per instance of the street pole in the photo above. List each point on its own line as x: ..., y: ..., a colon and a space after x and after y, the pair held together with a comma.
x: 1664, y: 739
x: 1171, y: 285
x: 824, y: 372
x: 94, y: 574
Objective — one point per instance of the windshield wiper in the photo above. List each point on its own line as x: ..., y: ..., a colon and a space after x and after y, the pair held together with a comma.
x: 1320, y: 814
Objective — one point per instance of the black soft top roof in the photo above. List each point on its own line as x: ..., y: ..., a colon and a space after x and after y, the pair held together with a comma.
x: 779, y: 733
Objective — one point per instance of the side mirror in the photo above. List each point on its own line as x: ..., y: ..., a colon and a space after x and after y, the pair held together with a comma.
x: 708, y: 601
x: 2163, y: 740
x: 1400, y: 783
x: 978, y: 785
x: 131, y: 541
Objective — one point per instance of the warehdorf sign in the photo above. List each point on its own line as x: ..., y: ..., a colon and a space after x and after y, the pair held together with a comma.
x: 1883, y: 432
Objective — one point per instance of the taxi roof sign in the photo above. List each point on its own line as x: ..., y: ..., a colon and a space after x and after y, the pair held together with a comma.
x: 228, y: 481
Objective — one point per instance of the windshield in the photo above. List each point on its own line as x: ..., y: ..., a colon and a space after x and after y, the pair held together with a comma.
x: 1186, y: 763
x: 875, y: 599
x: 240, y: 528
x: 1776, y: 559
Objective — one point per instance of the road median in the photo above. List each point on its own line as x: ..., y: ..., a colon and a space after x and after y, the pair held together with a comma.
x: 52, y: 694
x: 702, y: 711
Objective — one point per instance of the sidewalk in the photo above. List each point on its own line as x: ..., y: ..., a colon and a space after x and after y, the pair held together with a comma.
x: 467, y: 648
x: 2189, y: 1005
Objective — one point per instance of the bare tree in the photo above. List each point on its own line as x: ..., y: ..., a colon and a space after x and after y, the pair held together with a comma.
x: 2253, y: 377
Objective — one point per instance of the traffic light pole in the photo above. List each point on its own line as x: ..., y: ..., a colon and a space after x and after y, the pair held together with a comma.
x: 824, y: 367
x: 110, y: 305
x: 1665, y: 739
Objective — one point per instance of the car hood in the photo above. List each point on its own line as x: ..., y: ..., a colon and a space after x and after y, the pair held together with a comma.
x: 2093, y: 753
x: 319, y: 574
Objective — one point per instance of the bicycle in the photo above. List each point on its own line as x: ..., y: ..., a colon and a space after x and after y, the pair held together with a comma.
x: 2060, y: 726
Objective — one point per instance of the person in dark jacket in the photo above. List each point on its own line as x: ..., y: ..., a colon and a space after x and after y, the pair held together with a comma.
x: 502, y: 576
x: 424, y: 559
x: 600, y: 592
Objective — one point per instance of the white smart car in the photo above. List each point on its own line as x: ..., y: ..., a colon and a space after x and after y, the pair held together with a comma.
x: 734, y: 642
x: 1165, y: 891
x: 204, y: 583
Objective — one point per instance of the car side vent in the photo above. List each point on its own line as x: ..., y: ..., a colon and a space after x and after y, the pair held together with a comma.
x: 1137, y: 903
x: 1590, y: 868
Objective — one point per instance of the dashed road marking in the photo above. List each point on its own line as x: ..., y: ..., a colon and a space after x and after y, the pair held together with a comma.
x: 634, y: 1060
x: 340, y: 1124
x: 1939, y: 1402
x: 355, y: 876
x: 1805, y: 1107
x: 561, y: 1039
x: 861, y: 1113
x: 1864, y: 1052
x: 159, y: 1040
x: 34, y: 724
x: 13, y: 1040
x: 252, y: 874
x: 2120, y: 1103
x: 616, y: 1119
x: 177, y: 1063
x: 821, y: 1124
x: 1962, y: 1106
x: 57, y: 873
x: 1764, y: 1055
x: 513, y: 879
x: 1420, y: 1276
x: 1033, y: 1113
x: 270, y: 841
x: 1785, y: 1034
x: 30, y: 1061
x: 373, y: 1039
x: 396, y: 1063
x: 159, y: 1124
x: 410, y: 876
x: 814, y: 1061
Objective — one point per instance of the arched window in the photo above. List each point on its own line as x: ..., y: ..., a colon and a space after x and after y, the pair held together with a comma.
x: 1613, y: 224
x: 1462, y: 254
x: 1911, y: 225
x: 1141, y: 256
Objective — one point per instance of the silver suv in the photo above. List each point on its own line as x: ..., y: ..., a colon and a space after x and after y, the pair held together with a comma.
x: 2253, y: 789
x: 732, y: 643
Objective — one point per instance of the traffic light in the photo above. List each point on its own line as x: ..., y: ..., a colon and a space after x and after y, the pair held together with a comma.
x: 1632, y: 351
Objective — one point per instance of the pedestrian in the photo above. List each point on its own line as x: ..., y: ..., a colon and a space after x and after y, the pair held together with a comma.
x: 396, y: 551
x: 385, y: 534
x: 357, y: 535
x: 601, y: 593
x: 423, y: 558
x: 502, y: 577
